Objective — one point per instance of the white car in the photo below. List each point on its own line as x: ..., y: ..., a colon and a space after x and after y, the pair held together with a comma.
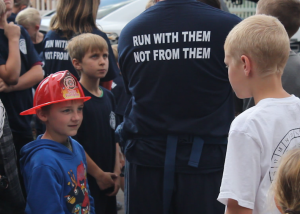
x: 112, y: 16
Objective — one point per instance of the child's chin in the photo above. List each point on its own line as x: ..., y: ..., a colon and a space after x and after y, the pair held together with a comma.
x: 72, y: 133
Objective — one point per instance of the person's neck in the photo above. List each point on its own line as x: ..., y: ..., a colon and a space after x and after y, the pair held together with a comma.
x: 268, y: 87
x: 15, y: 10
x: 37, y: 38
x: 51, y: 135
x: 91, y: 84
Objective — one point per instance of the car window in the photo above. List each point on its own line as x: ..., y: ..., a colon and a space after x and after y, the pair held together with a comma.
x: 108, y: 2
x: 110, y: 7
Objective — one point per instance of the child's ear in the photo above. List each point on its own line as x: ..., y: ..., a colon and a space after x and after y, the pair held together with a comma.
x: 76, y: 64
x: 42, y: 115
x: 247, y: 65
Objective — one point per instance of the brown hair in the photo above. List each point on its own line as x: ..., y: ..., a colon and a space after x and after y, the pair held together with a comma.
x: 75, y: 17
x: 18, y: 3
x: 263, y: 39
x: 288, y: 13
x: 286, y: 186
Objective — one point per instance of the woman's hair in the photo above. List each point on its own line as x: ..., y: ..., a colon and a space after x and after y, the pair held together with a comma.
x: 286, y: 186
x: 75, y: 17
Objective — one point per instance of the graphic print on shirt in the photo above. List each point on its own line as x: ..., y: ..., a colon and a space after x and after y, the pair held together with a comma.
x: 112, y: 120
x: 78, y: 199
x: 22, y: 46
x: 290, y: 141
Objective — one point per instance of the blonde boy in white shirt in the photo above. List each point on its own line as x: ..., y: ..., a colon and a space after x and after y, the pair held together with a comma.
x: 256, y: 52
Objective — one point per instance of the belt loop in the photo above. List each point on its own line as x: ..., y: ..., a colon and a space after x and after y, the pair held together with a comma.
x: 196, y: 151
x: 169, y: 172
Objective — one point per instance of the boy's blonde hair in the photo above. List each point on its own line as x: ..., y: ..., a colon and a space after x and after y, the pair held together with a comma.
x: 29, y: 17
x: 286, y: 186
x: 263, y: 39
x: 80, y: 45
x: 2, y: 8
x: 288, y: 13
x: 115, y: 50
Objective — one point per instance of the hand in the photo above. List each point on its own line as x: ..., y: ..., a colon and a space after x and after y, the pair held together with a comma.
x: 106, y: 180
x: 4, y: 87
x: 117, y: 186
x: 11, y: 30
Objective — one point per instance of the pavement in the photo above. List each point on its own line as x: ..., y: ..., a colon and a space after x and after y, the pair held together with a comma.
x: 120, y: 198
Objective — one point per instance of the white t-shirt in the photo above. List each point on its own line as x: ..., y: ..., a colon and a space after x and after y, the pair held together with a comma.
x: 257, y: 139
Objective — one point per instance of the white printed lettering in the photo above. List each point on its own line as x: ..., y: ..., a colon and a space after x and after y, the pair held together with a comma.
x: 49, y: 44
x: 184, y: 35
x: 196, y: 53
x: 206, y: 36
x: 135, y: 42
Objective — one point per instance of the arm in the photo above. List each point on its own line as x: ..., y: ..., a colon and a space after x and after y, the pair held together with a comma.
x: 104, y: 179
x: 242, y: 170
x: 27, y: 80
x: 234, y: 208
x: 10, y: 71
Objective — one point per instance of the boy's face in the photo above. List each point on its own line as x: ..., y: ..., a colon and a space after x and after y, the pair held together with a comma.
x: 31, y: 29
x: 64, y: 119
x: 9, y: 4
x: 236, y: 76
x: 95, y: 64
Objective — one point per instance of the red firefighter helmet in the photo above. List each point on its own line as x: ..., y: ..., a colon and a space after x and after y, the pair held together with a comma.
x: 58, y: 87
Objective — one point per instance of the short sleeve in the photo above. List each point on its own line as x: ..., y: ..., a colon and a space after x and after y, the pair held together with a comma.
x: 242, y: 171
x: 32, y: 55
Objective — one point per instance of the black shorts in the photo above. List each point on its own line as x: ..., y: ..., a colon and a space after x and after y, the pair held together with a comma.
x: 193, y: 193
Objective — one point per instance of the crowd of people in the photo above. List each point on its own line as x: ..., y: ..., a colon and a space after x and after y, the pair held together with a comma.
x: 196, y: 108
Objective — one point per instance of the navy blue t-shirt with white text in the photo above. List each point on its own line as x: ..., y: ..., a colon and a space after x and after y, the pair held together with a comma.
x: 172, y: 63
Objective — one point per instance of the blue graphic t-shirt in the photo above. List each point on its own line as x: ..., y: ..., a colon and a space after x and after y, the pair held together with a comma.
x: 55, y: 178
x: 56, y: 58
x: 17, y: 101
x: 172, y: 61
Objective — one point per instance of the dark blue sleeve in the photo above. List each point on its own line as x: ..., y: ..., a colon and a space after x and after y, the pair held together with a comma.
x: 113, y: 69
x: 44, y: 192
x: 32, y: 55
